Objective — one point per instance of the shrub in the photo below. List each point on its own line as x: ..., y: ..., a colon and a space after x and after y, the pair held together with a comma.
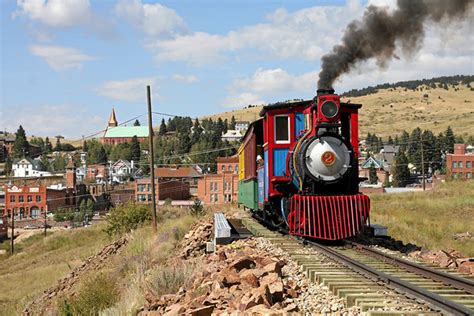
x: 197, y: 209
x: 168, y: 279
x: 93, y: 296
x: 124, y: 218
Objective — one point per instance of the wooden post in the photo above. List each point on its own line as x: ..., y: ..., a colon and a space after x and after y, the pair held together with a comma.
x: 13, y: 230
x: 422, y: 165
x: 45, y: 222
x: 152, y: 164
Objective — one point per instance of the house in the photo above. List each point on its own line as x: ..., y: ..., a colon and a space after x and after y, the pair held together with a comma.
x: 387, y: 154
x: 98, y: 173
x: 170, y: 189
x: 81, y: 174
x: 6, y: 143
x: 115, y: 134
x: 190, y: 175
x: 122, y: 170
x: 382, y: 168
x: 27, y: 167
x: 221, y: 187
x: 241, y: 126
x: 231, y: 135
x: 460, y: 164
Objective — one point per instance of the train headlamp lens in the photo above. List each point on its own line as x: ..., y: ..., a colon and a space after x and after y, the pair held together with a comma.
x: 329, y: 109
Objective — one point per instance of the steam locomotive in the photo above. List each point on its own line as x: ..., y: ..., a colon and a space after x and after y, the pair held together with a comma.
x: 298, y: 168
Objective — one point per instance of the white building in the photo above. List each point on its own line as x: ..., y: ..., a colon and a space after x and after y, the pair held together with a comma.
x: 241, y: 126
x: 232, y: 135
x: 122, y: 170
x: 27, y: 167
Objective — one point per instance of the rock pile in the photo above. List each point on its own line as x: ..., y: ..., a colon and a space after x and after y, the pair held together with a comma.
x: 238, y: 277
x: 446, y: 259
x: 194, y: 242
x: 65, y: 285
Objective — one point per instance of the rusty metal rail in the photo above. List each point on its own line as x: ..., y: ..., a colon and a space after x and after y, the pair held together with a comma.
x: 435, y: 300
x: 440, y: 276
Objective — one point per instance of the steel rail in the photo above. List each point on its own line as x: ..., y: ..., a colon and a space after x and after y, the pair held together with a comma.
x: 440, y: 276
x: 433, y: 299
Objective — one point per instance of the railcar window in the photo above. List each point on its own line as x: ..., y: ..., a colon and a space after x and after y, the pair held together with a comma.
x: 282, y: 129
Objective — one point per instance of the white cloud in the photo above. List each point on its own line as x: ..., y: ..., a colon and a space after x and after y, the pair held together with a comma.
x: 185, y: 78
x: 131, y: 90
x: 242, y: 99
x: 60, y: 58
x: 154, y: 20
x: 307, y: 34
x: 55, y: 13
x: 68, y: 120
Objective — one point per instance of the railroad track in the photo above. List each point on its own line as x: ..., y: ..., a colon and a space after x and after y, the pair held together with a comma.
x: 376, y: 282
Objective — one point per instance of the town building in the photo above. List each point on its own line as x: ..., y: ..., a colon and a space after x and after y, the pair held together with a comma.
x: 221, y: 187
x: 98, y: 173
x: 6, y: 143
x: 32, y: 201
x: 122, y: 170
x: 27, y: 167
x: 460, y: 164
x: 241, y: 126
x: 231, y: 135
x: 189, y: 175
x: 170, y: 189
x: 382, y: 169
x: 115, y: 134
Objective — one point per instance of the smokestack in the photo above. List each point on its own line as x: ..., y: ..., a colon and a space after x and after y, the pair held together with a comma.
x: 377, y: 34
x: 325, y: 91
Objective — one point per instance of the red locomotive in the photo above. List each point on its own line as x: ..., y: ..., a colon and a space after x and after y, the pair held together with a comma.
x: 299, y: 171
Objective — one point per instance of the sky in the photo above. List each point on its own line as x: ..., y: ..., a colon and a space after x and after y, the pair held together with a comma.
x: 66, y: 63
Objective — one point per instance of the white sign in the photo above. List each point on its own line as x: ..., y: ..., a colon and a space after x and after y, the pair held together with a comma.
x: 34, y: 190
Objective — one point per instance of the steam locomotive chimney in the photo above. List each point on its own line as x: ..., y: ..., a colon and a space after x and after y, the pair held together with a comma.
x: 324, y: 91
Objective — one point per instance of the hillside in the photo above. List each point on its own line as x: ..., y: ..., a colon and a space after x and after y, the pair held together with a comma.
x: 392, y: 110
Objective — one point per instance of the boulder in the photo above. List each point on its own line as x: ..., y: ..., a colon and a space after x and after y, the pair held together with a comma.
x: 249, y: 277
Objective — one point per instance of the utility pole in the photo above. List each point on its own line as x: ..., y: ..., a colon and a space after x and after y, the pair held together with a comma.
x: 45, y: 222
x: 13, y: 230
x: 422, y: 165
x: 152, y: 164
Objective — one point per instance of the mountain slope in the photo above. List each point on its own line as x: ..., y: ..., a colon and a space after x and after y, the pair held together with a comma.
x: 390, y: 111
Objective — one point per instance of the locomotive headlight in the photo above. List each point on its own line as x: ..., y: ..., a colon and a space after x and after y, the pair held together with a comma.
x: 329, y: 109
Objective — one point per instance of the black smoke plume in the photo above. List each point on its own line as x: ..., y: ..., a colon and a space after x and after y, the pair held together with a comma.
x: 380, y: 30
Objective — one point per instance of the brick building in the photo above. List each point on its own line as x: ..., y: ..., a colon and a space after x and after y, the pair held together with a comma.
x: 189, y: 175
x: 32, y: 201
x: 460, y: 164
x: 98, y: 173
x: 171, y: 189
x: 221, y: 187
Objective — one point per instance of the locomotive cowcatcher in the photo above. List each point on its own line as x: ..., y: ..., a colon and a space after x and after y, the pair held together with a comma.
x: 298, y: 168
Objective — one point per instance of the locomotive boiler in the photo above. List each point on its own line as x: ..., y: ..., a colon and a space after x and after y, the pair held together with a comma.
x: 298, y: 168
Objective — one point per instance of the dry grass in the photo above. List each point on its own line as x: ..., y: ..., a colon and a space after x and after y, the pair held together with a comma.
x: 431, y: 218
x: 390, y: 112
x: 40, y: 262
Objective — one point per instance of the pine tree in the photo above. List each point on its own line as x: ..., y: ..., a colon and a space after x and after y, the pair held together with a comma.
x: 135, y: 149
x: 84, y: 146
x: 136, y: 123
x: 59, y: 164
x: 372, y: 174
x: 163, y: 129
x: 197, y: 131
x: 20, y: 146
x: 414, y: 148
x: 390, y: 140
x: 101, y: 155
x: 232, y: 123
x: 404, y: 141
x: 401, y: 174
x: 8, y: 165
x: 48, y: 147
x: 44, y: 163
x: 58, y: 144
x: 450, y: 140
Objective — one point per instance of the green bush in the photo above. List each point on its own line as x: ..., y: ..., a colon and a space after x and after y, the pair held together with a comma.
x: 197, y: 209
x: 93, y: 296
x: 124, y: 218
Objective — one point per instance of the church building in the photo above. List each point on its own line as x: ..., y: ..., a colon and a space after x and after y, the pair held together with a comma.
x: 115, y: 134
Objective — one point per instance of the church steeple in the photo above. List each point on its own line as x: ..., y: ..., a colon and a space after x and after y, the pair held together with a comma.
x: 112, y: 119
